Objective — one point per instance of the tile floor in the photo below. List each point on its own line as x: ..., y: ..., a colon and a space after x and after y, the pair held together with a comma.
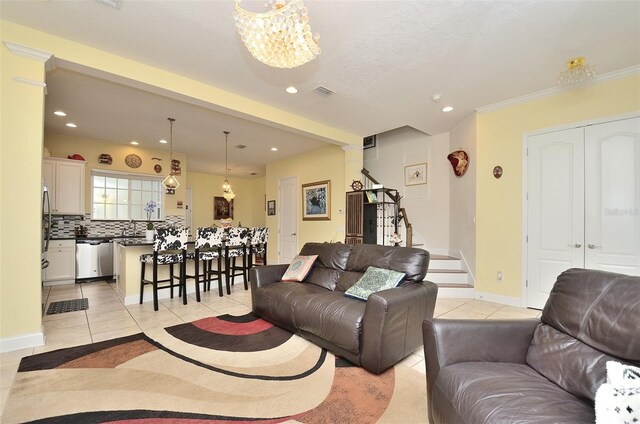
x: 108, y: 318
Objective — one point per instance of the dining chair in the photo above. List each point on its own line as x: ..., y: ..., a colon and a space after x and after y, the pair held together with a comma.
x: 169, y: 248
x: 208, y: 247
x: 237, y: 246
x: 258, y: 245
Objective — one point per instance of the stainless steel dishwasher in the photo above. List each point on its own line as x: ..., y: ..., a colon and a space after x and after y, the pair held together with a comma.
x: 94, y: 258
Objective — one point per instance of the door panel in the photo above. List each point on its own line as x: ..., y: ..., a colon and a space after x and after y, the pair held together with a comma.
x: 288, y: 222
x: 612, y: 205
x: 555, y: 210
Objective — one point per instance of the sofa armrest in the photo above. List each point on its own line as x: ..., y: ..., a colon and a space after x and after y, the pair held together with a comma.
x: 391, y: 327
x: 261, y: 276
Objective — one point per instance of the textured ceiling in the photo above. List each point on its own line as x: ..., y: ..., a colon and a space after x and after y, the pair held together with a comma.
x: 383, y: 59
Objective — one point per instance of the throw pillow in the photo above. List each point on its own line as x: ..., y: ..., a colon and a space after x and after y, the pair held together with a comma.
x: 374, y: 280
x: 299, y: 268
x: 618, y: 400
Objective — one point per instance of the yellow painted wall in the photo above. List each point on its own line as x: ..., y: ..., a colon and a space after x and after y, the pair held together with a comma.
x: 327, y: 163
x: 499, y: 142
x: 21, y: 133
x: 248, y: 204
x: 63, y: 145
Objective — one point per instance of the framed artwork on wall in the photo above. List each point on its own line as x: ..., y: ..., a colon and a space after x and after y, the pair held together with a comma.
x: 316, y: 201
x: 222, y: 209
x: 271, y: 207
x: 415, y: 174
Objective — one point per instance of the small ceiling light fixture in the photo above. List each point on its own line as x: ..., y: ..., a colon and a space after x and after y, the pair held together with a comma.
x: 291, y: 90
x: 71, y: 125
x: 135, y: 143
x: 280, y: 37
x: 436, y: 98
x: 227, y: 191
x: 59, y: 113
x: 577, y: 73
x: 274, y: 149
x: 162, y: 141
x: 171, y: 182
x: 447, y: 108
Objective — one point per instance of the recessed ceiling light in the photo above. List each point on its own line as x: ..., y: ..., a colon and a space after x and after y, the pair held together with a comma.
x: 291, y: 90
x: 71, y: 125
x: 59, y: 113
x: 135, y: 143
x: 163, y: 141
x: 447, y: 108
x: 274, y: 149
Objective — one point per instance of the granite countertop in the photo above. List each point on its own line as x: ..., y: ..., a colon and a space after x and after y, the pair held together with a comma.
x: 141, y: 241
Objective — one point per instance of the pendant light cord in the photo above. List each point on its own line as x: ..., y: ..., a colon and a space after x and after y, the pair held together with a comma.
x: 171, y: 120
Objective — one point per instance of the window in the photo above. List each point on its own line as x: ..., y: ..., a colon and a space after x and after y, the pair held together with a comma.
x: 124, y: 196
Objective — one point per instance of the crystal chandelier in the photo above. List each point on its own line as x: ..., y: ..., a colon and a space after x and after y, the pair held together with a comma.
x: 280, y: 37
x: 171, y: 182
x: 227, y: 191
x: 577, y: 73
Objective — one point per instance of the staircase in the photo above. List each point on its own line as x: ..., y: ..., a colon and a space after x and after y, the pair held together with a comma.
x: 447, y: 273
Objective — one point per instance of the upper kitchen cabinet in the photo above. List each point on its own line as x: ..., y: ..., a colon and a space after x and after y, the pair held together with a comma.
x: 65, y: 180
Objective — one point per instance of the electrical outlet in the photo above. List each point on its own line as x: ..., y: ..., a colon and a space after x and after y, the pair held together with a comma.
x: 499, y: 276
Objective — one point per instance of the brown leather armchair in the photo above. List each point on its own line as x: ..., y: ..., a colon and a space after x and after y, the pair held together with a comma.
x: 530, y: 370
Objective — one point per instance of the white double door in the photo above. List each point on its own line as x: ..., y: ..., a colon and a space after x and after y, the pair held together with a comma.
x: 583, y: 207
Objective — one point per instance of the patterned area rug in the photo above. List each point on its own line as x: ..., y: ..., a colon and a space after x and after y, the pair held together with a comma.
x: 225, y: 369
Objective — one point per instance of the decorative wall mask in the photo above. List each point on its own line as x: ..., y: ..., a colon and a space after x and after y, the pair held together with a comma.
x: 459, y: 161
x: 105, y: 159
x: 497, y: 171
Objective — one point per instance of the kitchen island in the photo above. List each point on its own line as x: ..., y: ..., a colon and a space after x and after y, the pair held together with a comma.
x: 127, y: 269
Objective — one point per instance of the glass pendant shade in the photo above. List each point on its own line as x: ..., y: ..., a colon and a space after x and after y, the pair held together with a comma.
x: 578, y: 72
x: 227, y: 191
x: 171, y: 182
x: 280, y: 37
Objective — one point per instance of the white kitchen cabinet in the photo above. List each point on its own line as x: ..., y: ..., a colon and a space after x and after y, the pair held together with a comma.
x: 62, y: 262
x: 65, y: 180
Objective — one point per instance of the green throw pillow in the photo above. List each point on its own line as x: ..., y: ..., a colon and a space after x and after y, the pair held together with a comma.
x: 374, y: 280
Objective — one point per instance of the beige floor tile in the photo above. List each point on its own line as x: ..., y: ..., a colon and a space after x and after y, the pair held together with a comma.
x: 8, y: 374
x: 462, y: 314
x: 411, y: 360
x: 62, y: 344
x: 145, y: 307
x: 111, y: 325
x: 234, y: 310
x: 66, y: 315
x: 97, y: 307
x: 515, y: 312
x: 60, y: 334
x: 4, y: 395
x: 420, y: 367
x: 114, y: 334
x: 481, y: 307
x: 160, y: 323
x: 419, y: 351
x: 65, y: 322
x: 451, y: 303
x: 97, y: 316
x: 14, y: 356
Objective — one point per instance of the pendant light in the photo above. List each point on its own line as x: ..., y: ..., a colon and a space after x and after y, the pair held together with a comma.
x: 227, y: 192
x: 171, y: 182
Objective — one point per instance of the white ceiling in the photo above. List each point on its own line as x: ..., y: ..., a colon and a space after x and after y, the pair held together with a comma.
x: 383, y: 59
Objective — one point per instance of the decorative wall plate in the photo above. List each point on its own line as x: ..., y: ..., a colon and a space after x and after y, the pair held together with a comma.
x: 157, y: 168
x: 133, y: 161
x: 357, y: 185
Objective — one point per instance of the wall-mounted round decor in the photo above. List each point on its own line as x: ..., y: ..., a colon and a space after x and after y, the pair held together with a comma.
x: 157, y: 168
x: 133, y: 161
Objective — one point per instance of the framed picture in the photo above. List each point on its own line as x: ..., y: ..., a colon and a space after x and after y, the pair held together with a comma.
x: 369, y: 142
x: 222, y: 209
x: 415, y: 174
x: 271, y: 207
x: 316, y: 201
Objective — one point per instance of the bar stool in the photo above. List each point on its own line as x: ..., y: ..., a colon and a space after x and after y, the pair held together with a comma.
x: 236, y: 246
x: 169, y: 248
x: 208, y: 247
x: 258, y: 245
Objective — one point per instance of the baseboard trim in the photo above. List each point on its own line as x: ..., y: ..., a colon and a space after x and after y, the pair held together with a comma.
x: 21, y: 342
x: 496, y: 298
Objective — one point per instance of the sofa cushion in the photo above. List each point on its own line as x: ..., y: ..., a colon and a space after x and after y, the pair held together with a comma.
x: 331, y: 316
x: 331, y: 262
x: 299, y: 268
x: 567, y: 362
x: 494, y: 392
x: 374, y: 280
x: 598, y: 308
x: 348, y: 279
x: 412, y: 262
x: 274, y: 300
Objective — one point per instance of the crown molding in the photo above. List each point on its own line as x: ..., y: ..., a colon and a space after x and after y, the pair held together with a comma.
x: 351, y: 147
x: 31, y: 53
x: 609, y: 76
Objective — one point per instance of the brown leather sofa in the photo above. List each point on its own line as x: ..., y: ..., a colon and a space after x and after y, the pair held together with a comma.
x: 530, y: 370
x: 374, y: 334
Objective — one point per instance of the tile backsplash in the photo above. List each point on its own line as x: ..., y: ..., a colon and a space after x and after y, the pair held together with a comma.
x: 63, y: 226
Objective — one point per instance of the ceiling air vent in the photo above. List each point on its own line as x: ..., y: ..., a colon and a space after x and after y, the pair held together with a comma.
x: 323, y: 91
x: 240, y: 146
x: 111, y: 3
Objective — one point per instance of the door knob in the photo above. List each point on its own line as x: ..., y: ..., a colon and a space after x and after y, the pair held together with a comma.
x: 577, y: 245
x: 592, y: 246
x: 293, y: 234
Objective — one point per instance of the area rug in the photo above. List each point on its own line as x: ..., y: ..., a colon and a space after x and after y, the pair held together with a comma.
x: 225, y: 369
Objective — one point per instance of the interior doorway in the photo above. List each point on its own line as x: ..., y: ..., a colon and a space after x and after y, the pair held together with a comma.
x: 288, y: 219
